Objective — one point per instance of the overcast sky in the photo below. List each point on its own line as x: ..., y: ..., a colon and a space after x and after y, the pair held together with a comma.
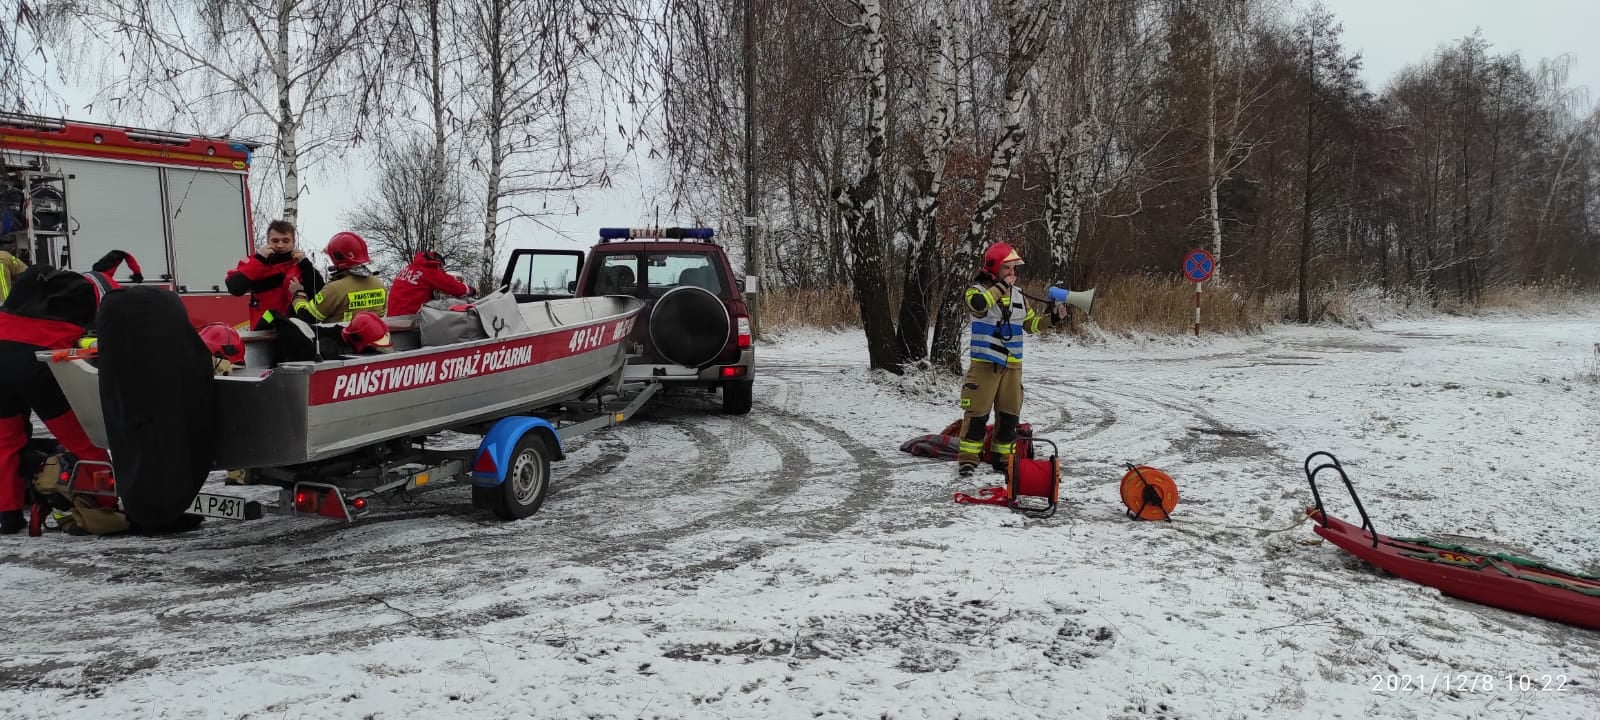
x: 1388, y: 33
x: 1393, y: 33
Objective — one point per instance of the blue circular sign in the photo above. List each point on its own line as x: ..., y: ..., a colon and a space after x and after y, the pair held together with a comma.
x: 1198, y: 265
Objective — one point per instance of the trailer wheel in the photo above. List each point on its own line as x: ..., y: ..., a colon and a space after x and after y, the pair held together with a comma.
x: 526, y: 484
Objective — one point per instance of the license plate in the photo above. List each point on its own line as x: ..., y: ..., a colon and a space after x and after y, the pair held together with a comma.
x: 219, y: 506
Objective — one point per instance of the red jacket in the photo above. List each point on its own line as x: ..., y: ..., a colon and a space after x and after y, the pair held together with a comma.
x: 49, y: 308
x: 267, y: 281
x: 416, y: 284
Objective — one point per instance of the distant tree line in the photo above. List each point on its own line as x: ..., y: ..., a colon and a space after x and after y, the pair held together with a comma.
x: 1107, y: 137
x: 896, y: 139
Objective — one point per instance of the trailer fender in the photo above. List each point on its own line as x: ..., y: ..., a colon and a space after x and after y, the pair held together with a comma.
x: 494, y: 452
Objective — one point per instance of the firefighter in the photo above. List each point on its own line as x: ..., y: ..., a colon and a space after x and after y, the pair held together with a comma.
x: 47, y: 309
x: 351, y: 288
x: 10, y: 267
x: 417, y: 283
x: 268, y: 275
x: 1000, y: 318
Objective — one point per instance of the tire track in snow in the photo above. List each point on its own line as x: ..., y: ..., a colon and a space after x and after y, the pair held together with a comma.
x: 258, y: 590
x: 276, y: 578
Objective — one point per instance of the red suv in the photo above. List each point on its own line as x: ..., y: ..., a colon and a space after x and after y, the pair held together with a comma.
x: 695, y: 328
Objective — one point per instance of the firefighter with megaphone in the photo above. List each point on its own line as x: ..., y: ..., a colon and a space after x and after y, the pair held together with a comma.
x: 1000, y: 319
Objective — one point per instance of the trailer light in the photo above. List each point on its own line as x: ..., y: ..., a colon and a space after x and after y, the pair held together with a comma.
x: 733, y: 371
x: 305, y: 501
x: 485, y: 465
x: 359, y: 504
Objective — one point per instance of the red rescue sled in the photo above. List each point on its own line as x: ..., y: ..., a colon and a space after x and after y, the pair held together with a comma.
x: 1499, y: 580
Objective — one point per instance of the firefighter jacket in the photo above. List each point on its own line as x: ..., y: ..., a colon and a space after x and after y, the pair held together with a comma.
x: 345, y: 295
x: 10, y: 267
x: 48, y: 308
x: 266, y: 279
x: 417, y: 283
x: 999, y: 320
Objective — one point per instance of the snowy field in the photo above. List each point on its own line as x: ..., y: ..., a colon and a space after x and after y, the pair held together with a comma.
x: 795, y: 564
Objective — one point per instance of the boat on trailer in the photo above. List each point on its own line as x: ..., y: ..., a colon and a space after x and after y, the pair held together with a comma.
x: 342, y: 428
x: 1521, y: 585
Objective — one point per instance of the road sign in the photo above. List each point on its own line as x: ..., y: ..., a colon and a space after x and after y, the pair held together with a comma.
x: 1197, y: 265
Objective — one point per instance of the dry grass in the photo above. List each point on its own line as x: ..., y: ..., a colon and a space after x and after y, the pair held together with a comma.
x: 1536, y: 298
x: 1591, y: 374
x: 1149, y: 304
x: 1164, y: 305
x: 1135, y: 304
x: 826, y: 308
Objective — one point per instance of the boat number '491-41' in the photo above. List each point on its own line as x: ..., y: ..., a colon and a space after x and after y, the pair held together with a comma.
x: 593, y: 337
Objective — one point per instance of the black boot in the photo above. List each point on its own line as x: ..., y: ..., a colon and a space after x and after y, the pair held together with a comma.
x: 999, y: 464
x: 966, y: 469
x: 12, y: 522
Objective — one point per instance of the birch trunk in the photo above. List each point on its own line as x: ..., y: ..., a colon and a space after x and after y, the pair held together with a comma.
x: 1215, y: 171
x: 287, y: 125
x: 928, y: 179
x: 859, y: 202
x: 496, y: 120
x: 434, y: 233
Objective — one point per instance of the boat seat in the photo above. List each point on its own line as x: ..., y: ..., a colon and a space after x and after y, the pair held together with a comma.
x: 399, y: 323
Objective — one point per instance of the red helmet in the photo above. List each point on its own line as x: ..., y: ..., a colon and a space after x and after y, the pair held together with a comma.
x: 366, y: 331
x: 997, y: 255
x: 348, y: 250
x: 224, y: 342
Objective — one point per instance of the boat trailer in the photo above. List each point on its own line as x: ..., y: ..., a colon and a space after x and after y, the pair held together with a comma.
x: 509, y: 470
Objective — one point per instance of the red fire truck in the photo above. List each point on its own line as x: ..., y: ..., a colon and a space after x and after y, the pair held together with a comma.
x: 72, y: 191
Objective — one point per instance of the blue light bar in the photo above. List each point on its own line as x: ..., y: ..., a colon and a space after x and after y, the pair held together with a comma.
x: 616, y: 233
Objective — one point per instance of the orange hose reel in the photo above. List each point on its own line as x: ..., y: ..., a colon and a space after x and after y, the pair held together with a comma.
x: 1149, y: 494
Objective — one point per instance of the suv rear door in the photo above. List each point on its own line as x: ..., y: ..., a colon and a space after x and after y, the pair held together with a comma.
x: 533, y: 275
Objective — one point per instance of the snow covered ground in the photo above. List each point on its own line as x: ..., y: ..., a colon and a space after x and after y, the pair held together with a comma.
x: 795, y: 564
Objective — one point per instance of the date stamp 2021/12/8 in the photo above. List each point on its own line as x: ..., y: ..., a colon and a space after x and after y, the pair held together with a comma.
x: 1466, y: 683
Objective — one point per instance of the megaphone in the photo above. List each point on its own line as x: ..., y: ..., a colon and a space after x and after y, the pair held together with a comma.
x: 1081, y: 299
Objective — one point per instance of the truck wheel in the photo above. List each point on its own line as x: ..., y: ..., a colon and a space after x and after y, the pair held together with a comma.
x: 737, y: 396
x: 526, y: 484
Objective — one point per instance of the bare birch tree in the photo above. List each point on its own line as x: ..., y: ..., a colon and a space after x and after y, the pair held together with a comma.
x: 225, y: 66
x: 859, y: 199
x: 1028, y: 28
x: 539, y: 100
x: 946, y: 58
x: 1071, y: 126
x: 419, y: 60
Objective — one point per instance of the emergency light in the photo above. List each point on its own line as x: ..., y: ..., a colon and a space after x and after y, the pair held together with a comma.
x: 674, y: 233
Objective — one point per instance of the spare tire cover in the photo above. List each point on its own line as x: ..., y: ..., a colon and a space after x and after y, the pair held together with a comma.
x: 689, y: 326
x: 156, y: 394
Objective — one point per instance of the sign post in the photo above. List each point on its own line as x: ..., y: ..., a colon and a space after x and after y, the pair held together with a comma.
x: 1197, y: 266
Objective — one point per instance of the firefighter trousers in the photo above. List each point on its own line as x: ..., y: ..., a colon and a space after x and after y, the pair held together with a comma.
x: 987, y: 387
x: 26, y: 385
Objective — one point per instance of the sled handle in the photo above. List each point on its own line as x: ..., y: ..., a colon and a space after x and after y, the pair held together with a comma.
x: 1322, y: 512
